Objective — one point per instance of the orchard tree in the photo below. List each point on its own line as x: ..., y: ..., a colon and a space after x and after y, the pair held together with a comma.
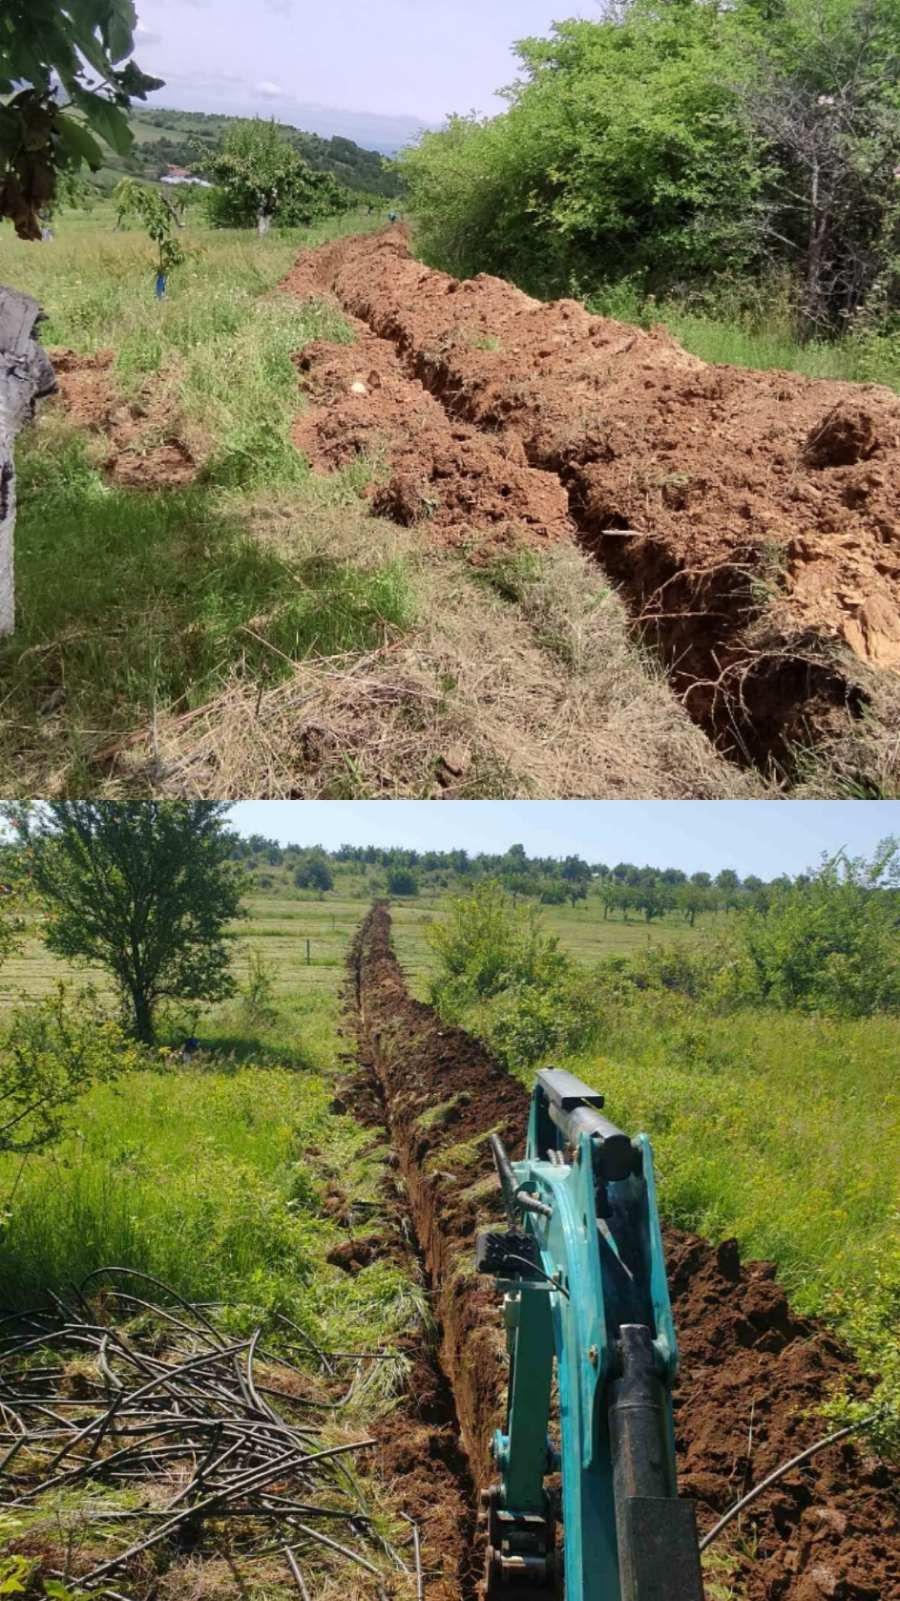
x: 260, y: 177
x: 152, y: 209
x: 145, y: 889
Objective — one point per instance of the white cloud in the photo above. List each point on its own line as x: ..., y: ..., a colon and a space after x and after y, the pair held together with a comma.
x: 146, y: 36
x: 272, y: 91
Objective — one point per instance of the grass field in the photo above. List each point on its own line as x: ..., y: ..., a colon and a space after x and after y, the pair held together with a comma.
x: 282, y: 920
x: 221, y: 1179
x: 133, y: 602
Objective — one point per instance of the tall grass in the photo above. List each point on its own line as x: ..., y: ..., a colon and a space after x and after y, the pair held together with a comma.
x: 764, y: 338
x: 211, y: 1178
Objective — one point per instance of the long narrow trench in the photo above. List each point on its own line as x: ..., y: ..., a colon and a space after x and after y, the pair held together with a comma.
x: 745, y: 1355
x: 420, y: 1447
x: 693, y: 542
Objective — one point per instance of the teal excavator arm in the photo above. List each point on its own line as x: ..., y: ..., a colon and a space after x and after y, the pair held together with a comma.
x: 584, y: 1285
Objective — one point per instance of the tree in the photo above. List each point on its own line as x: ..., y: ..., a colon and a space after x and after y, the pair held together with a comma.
x: 821, y: 93
x: 400, y: 881
x: 314, y: 873
x: 64, y: 94
x: 145, y: 889
x: 831, y: 943
x: 153, y: 210
x: 261, y: 178
x: 575, y: 871
x: 683, y: 147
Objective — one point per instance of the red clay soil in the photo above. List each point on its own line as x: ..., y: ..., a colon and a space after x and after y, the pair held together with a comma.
x: 751, y: 519
x: 145, y: 449
x: 419, y: 1454
x: 430, y: 470
x: 829, y: 1531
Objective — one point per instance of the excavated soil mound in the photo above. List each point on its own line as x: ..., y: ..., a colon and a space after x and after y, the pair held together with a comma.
x: 752, y: 520
x: 431, y: 470
x: 145, y: 449
x: 753, y: 1375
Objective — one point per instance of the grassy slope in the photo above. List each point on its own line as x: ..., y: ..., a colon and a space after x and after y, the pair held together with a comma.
x: 133, y: 602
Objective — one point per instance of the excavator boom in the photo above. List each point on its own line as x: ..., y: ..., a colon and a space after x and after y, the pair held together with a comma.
x: 586, y: 1301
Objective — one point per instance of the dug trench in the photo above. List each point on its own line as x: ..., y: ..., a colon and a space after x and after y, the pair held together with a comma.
x: 750, y: 1368
x: 749, y: 519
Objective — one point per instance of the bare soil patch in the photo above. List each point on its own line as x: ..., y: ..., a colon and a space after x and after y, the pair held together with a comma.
x: 829, y: 1531
x: 750, y: 519
x: 145, y: 449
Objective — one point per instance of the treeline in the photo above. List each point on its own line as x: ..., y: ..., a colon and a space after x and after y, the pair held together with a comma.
x: 624, y: 888
x: 188, y: 138
x: 688, y: 149
x: 825, y: 942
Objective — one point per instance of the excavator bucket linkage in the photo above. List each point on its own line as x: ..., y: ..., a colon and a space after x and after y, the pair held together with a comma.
x: 585, y: 1294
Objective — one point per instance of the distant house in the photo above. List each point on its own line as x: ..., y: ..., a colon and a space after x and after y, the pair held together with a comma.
x: 180, y: 175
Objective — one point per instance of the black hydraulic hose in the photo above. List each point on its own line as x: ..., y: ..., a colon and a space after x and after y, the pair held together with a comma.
x: 779, y: 1473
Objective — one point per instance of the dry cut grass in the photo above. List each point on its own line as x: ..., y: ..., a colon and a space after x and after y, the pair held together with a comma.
x: 519, y: 681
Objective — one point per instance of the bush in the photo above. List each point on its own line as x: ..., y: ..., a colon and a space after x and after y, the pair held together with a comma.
x: 529, y: 1023
x: 533, y: 1001
x: 49, y: 1055
x: 485, y: 943
x: 400, y: 881
x: 830, y: 943
x: 314, y: 873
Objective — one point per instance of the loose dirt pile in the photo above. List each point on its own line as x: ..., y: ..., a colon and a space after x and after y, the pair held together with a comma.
x: 752, y: 1377
x: 146, y: 450
x: 751, y: 519
x: 429, y: 469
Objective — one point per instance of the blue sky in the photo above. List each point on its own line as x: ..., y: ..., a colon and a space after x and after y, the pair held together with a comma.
x: 762, y: 837
x: 415, y: 58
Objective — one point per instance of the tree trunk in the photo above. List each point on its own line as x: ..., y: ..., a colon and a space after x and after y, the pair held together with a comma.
x: 25, y: 376
x: 142, y: 1009
x: 263, y: 222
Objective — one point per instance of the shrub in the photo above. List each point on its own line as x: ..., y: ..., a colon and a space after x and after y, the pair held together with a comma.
x: 314, y: 873
x: 485, y: 943
x: 400, y: 881
x: 49, y: 1055
x: 828, y: 943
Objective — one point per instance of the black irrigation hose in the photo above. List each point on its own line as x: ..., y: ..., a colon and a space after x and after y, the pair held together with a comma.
x: 779, y: 1473
x: 140, y: 1415
x: 147, y: 1278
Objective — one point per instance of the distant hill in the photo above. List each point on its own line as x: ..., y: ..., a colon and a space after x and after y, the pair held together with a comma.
x: 165, y: 138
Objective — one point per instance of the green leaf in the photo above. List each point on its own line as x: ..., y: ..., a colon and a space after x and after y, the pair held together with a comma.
x: 78, y: 142
x: 107, y: 120
x: 120, y: 29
